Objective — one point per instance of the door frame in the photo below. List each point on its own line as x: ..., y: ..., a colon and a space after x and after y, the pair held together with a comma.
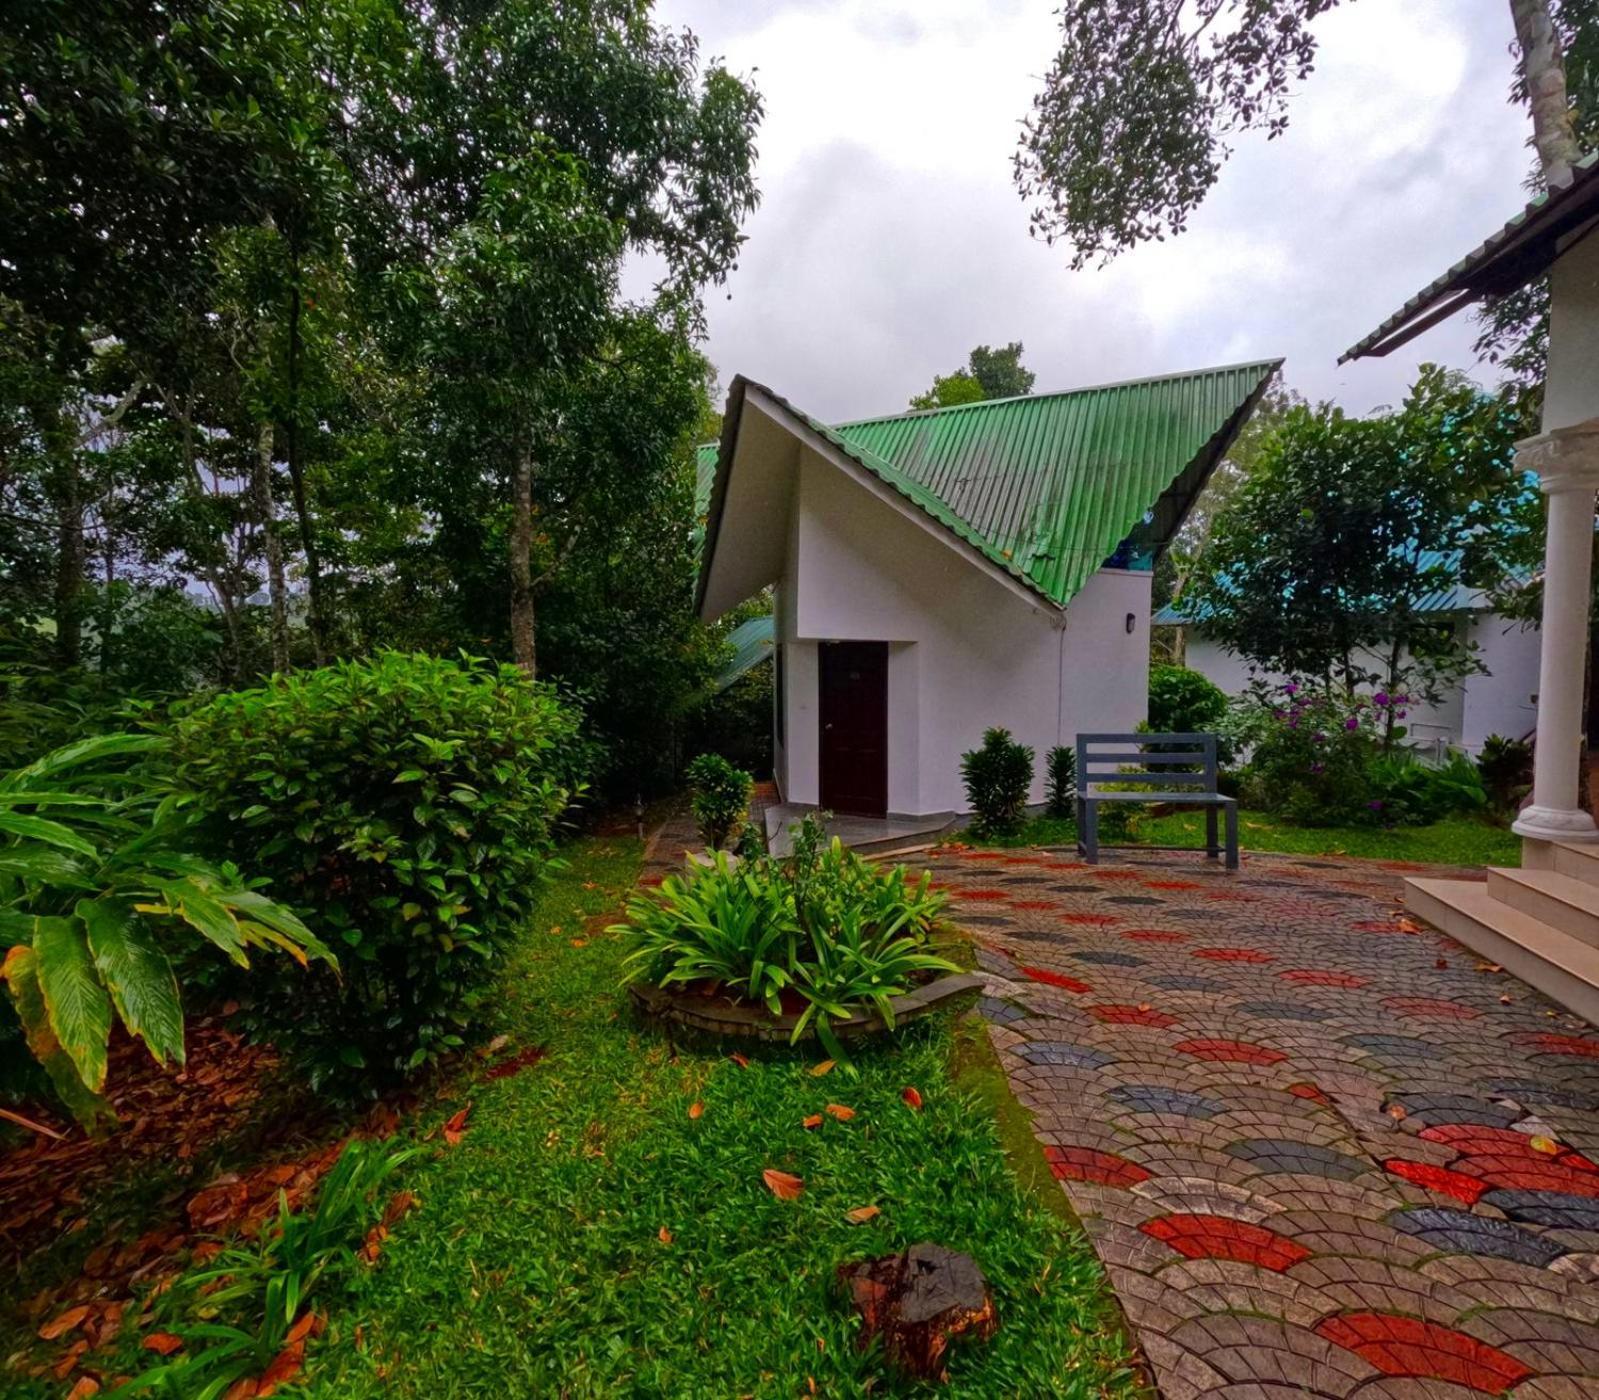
x: 837, y: 650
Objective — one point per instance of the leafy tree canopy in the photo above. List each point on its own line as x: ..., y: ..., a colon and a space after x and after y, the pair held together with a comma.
x: 988, y: 374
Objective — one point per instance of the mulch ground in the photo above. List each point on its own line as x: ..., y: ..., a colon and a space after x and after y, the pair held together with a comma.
x: 1321, y: 1149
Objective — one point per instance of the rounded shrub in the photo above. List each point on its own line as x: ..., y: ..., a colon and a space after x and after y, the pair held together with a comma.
x: 1183, y: 701
x: 721, y: 798
x: 406, y: 806
x: 998, y: 775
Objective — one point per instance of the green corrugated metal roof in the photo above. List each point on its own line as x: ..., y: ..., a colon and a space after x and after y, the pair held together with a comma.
x: 1047, y: 486
x: 752, y: 642
x: 704, y: 476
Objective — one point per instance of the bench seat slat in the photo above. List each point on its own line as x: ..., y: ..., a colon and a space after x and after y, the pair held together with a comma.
x: 1212, y: 799
x: 1149, y: 760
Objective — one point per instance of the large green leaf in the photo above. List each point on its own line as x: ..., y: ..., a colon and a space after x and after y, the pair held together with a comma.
x: 137, y: 974
x: 74, y: 996
x: 284, y: 921
x: 47, y: 831
x: 21, y: 974
x: 44, y: 866
x: 89, y: 750
x: 201, y: 910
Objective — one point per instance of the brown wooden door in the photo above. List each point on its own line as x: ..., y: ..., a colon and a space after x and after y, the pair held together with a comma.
x: 854, y: 713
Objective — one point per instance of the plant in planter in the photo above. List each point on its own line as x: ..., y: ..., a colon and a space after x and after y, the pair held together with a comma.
x: 721, y: 798
x: 998, y: 775
x: 1060, y: 790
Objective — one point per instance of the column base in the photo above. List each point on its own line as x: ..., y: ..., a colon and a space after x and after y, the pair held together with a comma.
x: 1555, y: 824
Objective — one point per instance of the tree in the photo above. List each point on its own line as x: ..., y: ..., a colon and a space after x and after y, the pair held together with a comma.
x: 987, y: 374
x: 1131, y: 128
x: 1347, y: 526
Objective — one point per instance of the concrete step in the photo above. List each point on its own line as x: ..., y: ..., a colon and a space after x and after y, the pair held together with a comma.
x: 1578, y: 860
x: 1561, y: 901
x: 1563, y: 968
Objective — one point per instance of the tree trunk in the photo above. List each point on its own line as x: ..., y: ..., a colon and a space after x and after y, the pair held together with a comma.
x: 71, y: 558
x: 272, y: 546
x: 182, y: 412
x: 316, y: 619
x: 1544, y: 67
x: 522, y: 649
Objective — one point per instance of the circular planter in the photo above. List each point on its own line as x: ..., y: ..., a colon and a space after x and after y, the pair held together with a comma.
x: 722, y: 1015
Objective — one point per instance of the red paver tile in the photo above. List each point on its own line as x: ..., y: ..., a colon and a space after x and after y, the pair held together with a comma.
x: 1087, y: 919
x: 1140, y: 1015
x: 1239, y: 1050
x: 1562, y: 1044
x: 1221, y: 1237
x: 1319, y: 977
x: 1309, y: 1091
x: 1431, y: 1007
x: 978, y: 896
x: 1056, y: 979
x: 1156, y: 935
x: 1441, y: 1179
x: 1241, y: 955
x: 1033, y: 904
x: 1172, y: 885
x: 1090, y: 1164
x: 1406, y: 1346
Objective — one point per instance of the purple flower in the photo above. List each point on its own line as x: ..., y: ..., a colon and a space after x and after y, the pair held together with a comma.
x: 1319, y: 737
x: 1290, y: 689
x: 1318, y: 767
x: 1380, y: 698
x: 1403, y: 713
x: 1375, y: 804
x: 1352, y: 722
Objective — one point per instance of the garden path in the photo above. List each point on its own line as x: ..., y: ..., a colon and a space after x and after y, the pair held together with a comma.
x: 1321, y: 1150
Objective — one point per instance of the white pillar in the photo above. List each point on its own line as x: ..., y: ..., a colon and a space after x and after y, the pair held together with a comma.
x: 1567, y: 463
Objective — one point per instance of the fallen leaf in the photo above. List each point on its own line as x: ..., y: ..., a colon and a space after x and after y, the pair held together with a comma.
x: 455, y: 1125
x: 1505, y: 1000
x: 825, y: 1067
x: 1441, y: 964
x: 861, y: 1214
x: 69, y: 1359
x: 372, y: 1247
x: 243, y: 1389
x: 301, y: 1329
x: 399, y: 1203
x: 842, y: 1112
x: 162, y: 1343
x: 1396, y: 1111
x: 912, y: 1097
x: 86, y: 1386
x: 495, y: 1046
x: 664, y: 1235
x: 1409, y: 926
x: 813, y: 1120
x: 1548, y: 1146
x: 695, y: 1109
x: 59, y: 1326
x: 740, y: 1059
x: 284, y: 1368
x: 784, y: 1186
x: 580, y: 943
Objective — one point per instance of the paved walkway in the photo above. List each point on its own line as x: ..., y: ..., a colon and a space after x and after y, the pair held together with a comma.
x: 1321, y: 1150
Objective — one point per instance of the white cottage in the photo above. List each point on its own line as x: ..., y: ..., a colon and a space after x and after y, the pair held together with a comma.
x: 941, y: 572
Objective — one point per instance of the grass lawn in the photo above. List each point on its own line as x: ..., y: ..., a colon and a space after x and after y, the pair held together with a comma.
x: 1460, y: 840
x: 587, y: 1236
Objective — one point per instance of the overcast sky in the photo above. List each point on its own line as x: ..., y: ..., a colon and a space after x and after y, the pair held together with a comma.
x: 890, y: 239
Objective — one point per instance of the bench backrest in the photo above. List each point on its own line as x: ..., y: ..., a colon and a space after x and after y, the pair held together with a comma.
x: 1101, y: 758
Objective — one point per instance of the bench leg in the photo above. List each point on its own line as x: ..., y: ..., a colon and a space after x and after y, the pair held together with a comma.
x: 1232, y: 836
x: 1089, y: 833
x: 1212, y: 849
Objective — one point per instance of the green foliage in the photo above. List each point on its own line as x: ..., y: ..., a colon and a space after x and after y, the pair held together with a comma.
x: 987, y: 374
x: 1505, y: 767
x: 1060, y: 783
x: 997, y: 776
x: 1347, y: 527
x: 1184, y: 702
x: 236, y: 1313
x: 1131, y: 128
x: 409, y: 804
x: 737, y: 722
x: 99, y: 890
x: 1408, y: 792
x: 1312, y: 754
x: 721, y: 798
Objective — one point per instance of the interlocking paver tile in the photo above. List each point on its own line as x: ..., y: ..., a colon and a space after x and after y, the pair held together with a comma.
x: 1318, y: 1154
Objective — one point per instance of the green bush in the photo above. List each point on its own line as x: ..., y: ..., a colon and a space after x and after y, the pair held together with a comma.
x: 1060, y: 789
x: 1184, y: 702
x: 1505, y: 767
x: 832, y: 932
x: 408, y: 805
x: 721, y: 798
x: 1313, y: 751
x: 1407, y: 792
x: 998, y: 776
x: 100, y: 891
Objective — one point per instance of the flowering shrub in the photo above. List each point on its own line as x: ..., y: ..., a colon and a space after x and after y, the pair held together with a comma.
x: 1313, y: 750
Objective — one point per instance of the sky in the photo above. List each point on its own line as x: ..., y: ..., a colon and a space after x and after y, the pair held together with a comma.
x: 890, y: 238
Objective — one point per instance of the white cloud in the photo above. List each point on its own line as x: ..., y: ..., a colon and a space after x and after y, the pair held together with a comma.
x: 890, y: 239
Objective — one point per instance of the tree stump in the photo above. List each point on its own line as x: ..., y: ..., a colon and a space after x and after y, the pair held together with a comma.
x: 918, y: 1302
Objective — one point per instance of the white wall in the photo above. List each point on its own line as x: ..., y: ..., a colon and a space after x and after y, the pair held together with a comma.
x: 966, y: 652
x: 1499, y: 702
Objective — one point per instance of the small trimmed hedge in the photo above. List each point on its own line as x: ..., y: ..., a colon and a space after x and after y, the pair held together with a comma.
x: 998, y: 776
x: 407, y: 807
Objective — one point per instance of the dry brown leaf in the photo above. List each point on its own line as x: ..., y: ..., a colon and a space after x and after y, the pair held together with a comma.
x: 1409, y: 926
x: 740, y: 1059
x: 86, y: 1386
x: 826, y: 1067
x: 1548, y: 1146
x: 284, y: 1368
x: 912, y: 1097
x: 495, y: 1046
x: 303, y: 1328
x: 783, y: 1185
x: 695, y: 1109
x: 1505, y: 1000
x: 162, y: 1343
x: 1396, y: 1111
x: 664, y: 1235
x: 842, y: 1112
x: 243, y: 1389
x: 455, y: 1125
x: 813, y: 1120
x: 861, y: 1214
x: 60, y: 1325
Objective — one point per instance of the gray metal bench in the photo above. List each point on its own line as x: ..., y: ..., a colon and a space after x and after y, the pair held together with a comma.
x: 1177, y: 768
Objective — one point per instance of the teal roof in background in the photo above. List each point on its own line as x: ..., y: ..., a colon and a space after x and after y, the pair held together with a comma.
x: 1047, y: 486
x: 752, y: 643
